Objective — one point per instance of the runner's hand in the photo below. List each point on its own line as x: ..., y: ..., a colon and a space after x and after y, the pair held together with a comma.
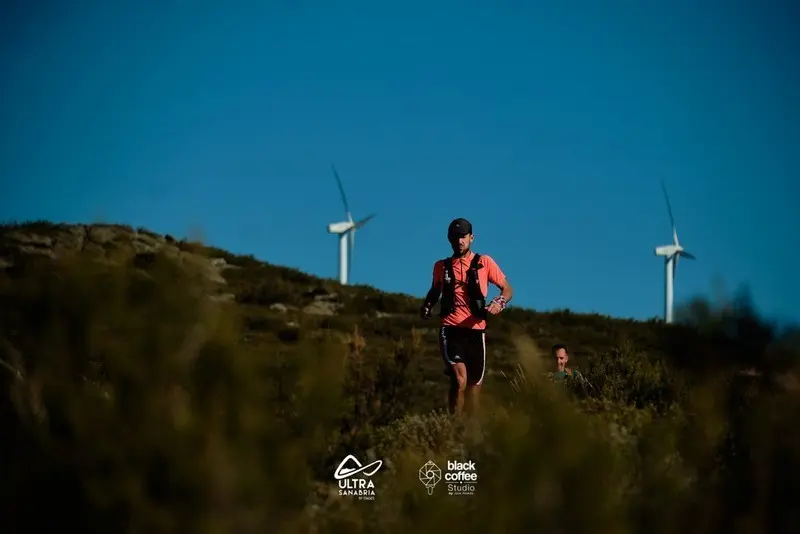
x: 497, y: 305
x: 494, y: 308
x: 425, y: 312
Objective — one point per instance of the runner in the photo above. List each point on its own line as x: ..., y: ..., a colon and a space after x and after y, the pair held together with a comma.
x: 462, y: 280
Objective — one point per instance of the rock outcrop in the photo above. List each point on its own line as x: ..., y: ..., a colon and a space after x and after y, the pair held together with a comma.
x: 103, y: 242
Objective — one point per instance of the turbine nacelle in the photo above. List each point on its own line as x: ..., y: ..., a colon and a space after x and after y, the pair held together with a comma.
x: 667, y: 250
x: 674, y: 250
x: 340, y: 227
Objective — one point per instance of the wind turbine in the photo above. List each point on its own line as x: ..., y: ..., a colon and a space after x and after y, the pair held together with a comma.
x: 671, y: 254
x: 347, y: 232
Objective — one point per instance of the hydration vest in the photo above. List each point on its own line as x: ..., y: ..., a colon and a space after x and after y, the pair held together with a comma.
x: 475, y: 297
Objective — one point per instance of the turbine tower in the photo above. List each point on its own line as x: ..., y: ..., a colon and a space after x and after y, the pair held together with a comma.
x: 671, y: 254
x: 347, y: 233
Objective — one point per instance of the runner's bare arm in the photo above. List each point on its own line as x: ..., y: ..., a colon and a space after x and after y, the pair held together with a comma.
x: 433, y: 295
x: 506, y: 291
x: 434, y: 292
x: 498, y: 278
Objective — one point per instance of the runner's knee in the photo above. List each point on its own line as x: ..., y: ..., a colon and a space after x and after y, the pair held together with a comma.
x: 460, y: 382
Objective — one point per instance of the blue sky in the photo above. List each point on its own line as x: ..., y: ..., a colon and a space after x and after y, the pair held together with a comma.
x: 548, y: 126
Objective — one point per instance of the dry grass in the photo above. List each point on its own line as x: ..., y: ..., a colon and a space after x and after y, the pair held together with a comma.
x: 133, y: 403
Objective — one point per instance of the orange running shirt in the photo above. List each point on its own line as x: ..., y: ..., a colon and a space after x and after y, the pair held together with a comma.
x: 489, y: 273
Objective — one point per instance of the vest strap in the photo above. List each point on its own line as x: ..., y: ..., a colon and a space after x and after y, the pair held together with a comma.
x: 476, y: 298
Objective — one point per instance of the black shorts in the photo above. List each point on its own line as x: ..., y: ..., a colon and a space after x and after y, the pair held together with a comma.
x: 467, y: 346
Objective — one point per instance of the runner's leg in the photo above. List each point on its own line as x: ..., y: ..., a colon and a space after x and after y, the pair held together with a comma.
x: 452, y: 346
x: 458, y: 382
x: 477, y: 369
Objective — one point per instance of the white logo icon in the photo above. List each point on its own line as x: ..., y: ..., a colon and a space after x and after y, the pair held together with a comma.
x: 345, y: 472
x: 430, y: 475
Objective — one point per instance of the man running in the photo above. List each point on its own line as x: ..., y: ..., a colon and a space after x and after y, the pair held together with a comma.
x: 462, y: 280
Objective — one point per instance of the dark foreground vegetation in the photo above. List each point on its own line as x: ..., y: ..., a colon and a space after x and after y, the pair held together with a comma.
x: 132, y: 402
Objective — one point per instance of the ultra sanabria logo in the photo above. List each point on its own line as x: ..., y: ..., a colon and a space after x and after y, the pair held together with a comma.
x: 355, y: 480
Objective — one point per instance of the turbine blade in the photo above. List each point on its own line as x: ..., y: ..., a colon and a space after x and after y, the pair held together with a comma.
x: 687, y: 255
x: 669, y: 210
x: 341, y: 190
x: 364, y: 221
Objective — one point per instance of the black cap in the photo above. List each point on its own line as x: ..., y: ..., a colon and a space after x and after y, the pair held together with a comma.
x: 459, y: 227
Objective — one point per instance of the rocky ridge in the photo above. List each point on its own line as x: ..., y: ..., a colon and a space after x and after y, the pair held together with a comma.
x: 105, y: 243
x: 113, y: 242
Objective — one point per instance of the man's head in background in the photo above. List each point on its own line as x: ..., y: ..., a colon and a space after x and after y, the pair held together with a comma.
x: 561, y: 356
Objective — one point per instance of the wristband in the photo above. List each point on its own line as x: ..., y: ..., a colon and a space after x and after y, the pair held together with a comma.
x: 500, y: 301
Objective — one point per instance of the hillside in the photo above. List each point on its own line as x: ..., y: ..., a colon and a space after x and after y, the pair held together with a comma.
x: 163, y: 385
